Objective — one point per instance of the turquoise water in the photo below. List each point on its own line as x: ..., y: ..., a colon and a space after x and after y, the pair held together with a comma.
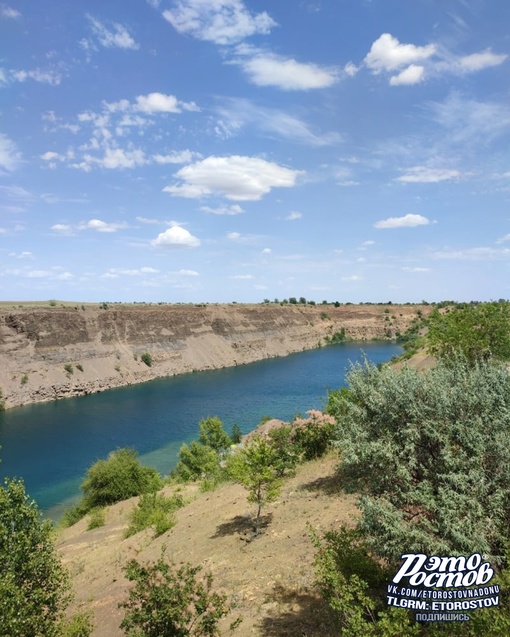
x: 51, y: 445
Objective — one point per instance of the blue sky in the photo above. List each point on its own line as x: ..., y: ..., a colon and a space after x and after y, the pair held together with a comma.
x: 220, y: 150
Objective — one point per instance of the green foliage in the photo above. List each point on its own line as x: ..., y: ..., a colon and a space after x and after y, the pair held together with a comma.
x: 258, y: 468
x: 477, y: 332
x: 354, y: 584
x: 119, y: 477
x: 324, y: 316
x: 155, y: 510
x: 52, y: 302
x: 430, y: 455
x: 79, y: 625
x: 74, y: 514
x: 213, y: 435
x: 34, y: 586
x: 337, y: 337
x: 236, y: 434
x: 97, y: 519
x: 287, y: 452
x: 265, y: 419
x: 167, y: 601
x: 197, y: 461
x: 69, y: 368
x: 146, y: 358
x: 313, y: 436
x: 79, y: 367
x: 24, y: 379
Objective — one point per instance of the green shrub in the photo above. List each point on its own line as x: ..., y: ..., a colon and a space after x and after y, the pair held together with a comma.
x: 79, y: 625
x: 155, y: 510
x: 197, y: 462
x: 24, y: 379
x: 79, y: 367
x: 147, y: 359
x: 213, y: 435
x: 236, y: 434
x: 74, y: 514
x: 168, y: 601
x: 119, y: 477
x: 97, y: 519
x: 34, y: 586
x: 312, y: 436
x: 69, y: 368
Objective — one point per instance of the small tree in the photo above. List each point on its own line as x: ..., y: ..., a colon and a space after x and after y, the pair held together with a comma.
x: 236, y: 434
x: 170, y: 602
x: 34, y: 586
x: 257, y: 468
x: 213, y: 435
x: 197, y: 461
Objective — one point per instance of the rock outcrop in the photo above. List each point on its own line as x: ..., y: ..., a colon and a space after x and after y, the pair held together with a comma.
x: 48, y: 353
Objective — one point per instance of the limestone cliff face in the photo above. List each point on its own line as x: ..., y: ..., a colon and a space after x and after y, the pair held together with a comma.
x: 102, y: 348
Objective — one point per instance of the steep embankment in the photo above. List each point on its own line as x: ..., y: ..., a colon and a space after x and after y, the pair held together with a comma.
x: 48, y: 353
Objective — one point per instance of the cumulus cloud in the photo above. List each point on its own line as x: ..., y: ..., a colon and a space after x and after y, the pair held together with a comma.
x: 233, y: 236
x: 293, y: 216
x: 161, y: 103
x: 407, y: 221
x: 220, y: 21
x: 388, y: 54
x: 425, y: 175
x: 116, y: 37
x: 175, y: 237
x: 413, y: 74
x: 235, y: 177
x: 268, y: 69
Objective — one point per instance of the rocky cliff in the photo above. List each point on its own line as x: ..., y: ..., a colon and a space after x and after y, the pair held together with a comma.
x: 48, y: 352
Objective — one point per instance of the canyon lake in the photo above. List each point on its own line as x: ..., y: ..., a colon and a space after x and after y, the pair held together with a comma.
x: 51, y: 445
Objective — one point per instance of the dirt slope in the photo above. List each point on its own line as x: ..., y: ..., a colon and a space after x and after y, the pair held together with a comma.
x: 102, y: 348
x: 270, y: 578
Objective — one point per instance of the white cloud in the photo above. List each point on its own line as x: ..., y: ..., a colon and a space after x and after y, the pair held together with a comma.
x: 9, y: 12
x: 161, y: 103
x: 51, y: 156
x: 503, y: 239
x: 351, y: 69
x: 176, y: 157
x: 268, y: 69
x: 293, y: 216
x: 480, y: 61
x: 368, y: 243
x: 242, y: 277
x: 234, y: 209
x: 114, y: 158
x: 415, y: 269
x: 118, y: 37
x: 233, y: 236
x: 9, y: 156
x: 220, y: 21
x: 183, y: 272
x: 353, y: 277
x: 413, y: 74
x: 407, y: 221
x: 22, y: 255
x: 388, y: 54
x: 474, y: 254
x: 175, y: 237
x: 235, y: 177
x: 237, y: 113
x: 92, y: 224
x: 45, y: 77
x: 146, y: 220
x: 130, y: 272
x: 266, y: 251
x: 424, y: 175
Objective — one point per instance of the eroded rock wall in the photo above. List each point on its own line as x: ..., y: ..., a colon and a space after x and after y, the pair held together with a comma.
x: 48, y: 353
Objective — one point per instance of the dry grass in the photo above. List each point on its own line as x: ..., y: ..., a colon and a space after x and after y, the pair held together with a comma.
x: 270, y: 578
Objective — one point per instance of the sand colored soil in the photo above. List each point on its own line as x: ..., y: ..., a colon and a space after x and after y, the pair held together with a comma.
x: 270, y: 578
